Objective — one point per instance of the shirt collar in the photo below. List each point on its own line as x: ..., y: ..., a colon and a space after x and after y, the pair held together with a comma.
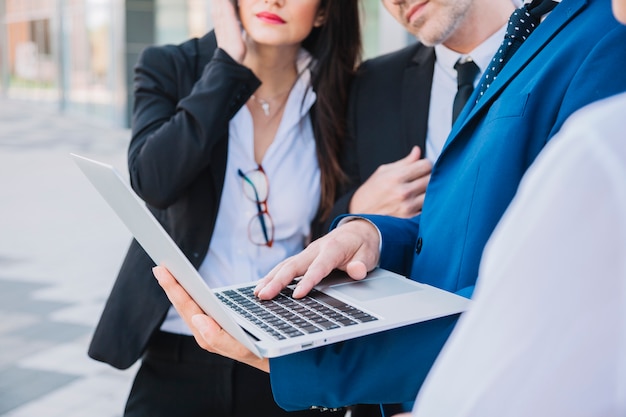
x: 302, y: 90
x: 481, y: 55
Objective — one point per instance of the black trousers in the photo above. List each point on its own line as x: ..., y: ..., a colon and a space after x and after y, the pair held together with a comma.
x: 177, y: 378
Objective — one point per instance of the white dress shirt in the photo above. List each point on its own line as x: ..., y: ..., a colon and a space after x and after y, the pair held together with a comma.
x: 546, y: 332
x: 294, y: 194
x: 444, y: 87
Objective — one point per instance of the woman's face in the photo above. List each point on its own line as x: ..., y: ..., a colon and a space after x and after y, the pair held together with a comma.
x: 279, y: 22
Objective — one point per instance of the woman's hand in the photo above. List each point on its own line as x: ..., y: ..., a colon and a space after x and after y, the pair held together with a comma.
x: 209, y: 335
x: 228, y: 29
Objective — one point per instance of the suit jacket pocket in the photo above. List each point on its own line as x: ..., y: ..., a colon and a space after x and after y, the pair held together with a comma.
x: 512, y: 105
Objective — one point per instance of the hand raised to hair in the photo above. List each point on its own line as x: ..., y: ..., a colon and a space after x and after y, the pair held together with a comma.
x: 394, y: 189
x: 228, y: 29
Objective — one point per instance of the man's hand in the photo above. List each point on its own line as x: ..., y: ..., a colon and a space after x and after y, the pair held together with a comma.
x: 209, y: 335
x: 351, y: 247
x: 395, y: 189
x: 228, y: 29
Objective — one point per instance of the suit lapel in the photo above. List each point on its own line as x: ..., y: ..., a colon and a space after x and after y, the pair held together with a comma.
x: 558, y: 18
x: 416, y: 86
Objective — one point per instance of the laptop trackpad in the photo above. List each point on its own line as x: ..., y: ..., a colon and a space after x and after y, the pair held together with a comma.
x: 374, y: 288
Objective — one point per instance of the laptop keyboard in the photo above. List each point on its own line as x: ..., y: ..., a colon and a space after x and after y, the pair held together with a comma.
x: 285, y: 317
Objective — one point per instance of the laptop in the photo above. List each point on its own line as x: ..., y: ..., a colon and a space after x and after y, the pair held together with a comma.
x: 338, y: 309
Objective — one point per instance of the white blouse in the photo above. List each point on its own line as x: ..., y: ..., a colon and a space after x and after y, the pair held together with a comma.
x: 291, y: 166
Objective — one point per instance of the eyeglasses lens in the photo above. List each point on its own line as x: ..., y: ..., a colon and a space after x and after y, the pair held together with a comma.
x: 256, y: 188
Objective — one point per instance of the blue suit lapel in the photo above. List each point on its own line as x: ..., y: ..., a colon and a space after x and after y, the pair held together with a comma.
x: 559, y: 17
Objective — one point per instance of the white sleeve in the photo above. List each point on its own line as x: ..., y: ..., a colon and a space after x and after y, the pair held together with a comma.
x: 546, y: 333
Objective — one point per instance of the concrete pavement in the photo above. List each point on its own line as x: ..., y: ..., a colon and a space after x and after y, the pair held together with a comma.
x: 60, y: 248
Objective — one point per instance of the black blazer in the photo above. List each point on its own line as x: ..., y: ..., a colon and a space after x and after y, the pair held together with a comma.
x: 387, y: 113
x: 185, y: 96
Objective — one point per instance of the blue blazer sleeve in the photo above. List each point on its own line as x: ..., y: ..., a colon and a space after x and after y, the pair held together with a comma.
x: 358, y: 371
x: 398, y: 240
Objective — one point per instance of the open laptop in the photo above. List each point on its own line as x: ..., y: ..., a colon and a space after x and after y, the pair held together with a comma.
x: 337, y: 309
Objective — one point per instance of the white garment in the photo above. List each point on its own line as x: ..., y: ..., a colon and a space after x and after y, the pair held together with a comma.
x: 444, y: 88
x: 294, y: 194
x: 546, y: 333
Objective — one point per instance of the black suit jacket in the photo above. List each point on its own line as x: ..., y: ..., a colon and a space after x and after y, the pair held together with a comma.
x: 387, y: 113
x: 185, y: 96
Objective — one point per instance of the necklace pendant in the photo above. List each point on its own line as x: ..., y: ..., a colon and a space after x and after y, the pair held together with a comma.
x: 266, y: 107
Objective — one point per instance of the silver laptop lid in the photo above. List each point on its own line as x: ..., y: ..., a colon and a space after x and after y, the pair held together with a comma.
x: 150, y: 235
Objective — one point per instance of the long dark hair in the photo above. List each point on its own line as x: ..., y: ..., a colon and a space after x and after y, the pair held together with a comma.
x: 336, y: 47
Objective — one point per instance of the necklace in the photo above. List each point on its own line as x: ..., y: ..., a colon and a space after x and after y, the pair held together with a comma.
x: 265, y: 105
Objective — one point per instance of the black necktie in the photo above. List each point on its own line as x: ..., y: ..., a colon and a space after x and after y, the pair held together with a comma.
x: 521, y: 24
x: 466, y: 73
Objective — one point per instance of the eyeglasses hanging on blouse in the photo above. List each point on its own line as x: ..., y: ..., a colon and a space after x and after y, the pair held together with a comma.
x: 256, y: 188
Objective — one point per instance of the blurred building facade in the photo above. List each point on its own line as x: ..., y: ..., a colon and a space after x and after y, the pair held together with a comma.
x: 79, y: 55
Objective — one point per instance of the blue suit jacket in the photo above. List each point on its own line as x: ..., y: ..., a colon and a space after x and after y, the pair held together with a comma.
x: 576, y: 56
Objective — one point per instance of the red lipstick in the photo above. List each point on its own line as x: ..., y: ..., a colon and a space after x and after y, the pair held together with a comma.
x: 272, y: 18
